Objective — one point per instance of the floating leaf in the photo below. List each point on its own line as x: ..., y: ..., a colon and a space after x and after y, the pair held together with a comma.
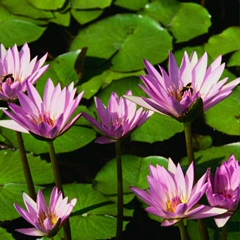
x: 85, y: 16
x: 190, y: 21
x: 135, y: 171
x: 73, y: 139
x: 132, y: 5
x: 47, y: 4
x: 157, y: 128
x: 76, y: 4
x: 223, y: 43
x: 18, y: 31
x: 122, y: 38
x: 94, y: 216
x: 61, y: 18
x: 12, y: 172
x: 225, y: 116
x: 5, y: 235
x: 234, y: 59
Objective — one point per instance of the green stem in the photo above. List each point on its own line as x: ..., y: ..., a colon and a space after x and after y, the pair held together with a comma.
x: 120, y: 191
x: 58, y: 182
x: 182, y: 229
x: 26, y: 168
x: 224, y: 232
x: 191, y: 159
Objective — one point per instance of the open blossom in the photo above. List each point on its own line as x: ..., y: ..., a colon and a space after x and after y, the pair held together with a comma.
x: 224, y: 189
x: 119, y: 119
x: 174, y: 94
x: 172, y: 195
x: 47, y: 118
x: 47, y: 220
x: 16, y: 67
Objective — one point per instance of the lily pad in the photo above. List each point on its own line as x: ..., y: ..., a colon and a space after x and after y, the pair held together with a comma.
x: 122, y: 39
x: 47, y: 4
x: 135, y: 171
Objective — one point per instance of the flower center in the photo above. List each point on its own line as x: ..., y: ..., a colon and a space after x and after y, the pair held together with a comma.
x: 43, y: 118
x: 173, y: 203
x: 8, y: 78
x: 47, y: 215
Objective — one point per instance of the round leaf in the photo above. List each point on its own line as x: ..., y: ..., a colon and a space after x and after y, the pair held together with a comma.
x: 90, y: 4
x: 135, y: 171
x: 132, y: 5
x: 5, y: 235
x: 85, y: 16
x: 12, y: 172
x: 157, y: 128
x: 229, y: 122
x: 234, y: 59
x: 20, y: 33
x: 190, y: 21
x: 129, y: 33
x: 47, y: 4
x: 223, y: 43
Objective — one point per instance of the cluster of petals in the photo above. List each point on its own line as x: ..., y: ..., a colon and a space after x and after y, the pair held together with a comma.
x: 224, y: 189
x: 47, y: 220
x: 172, y: 195
x: 174, y: 93
x: 119, y: 119
x: 47, y: 118
x: 16, y: 68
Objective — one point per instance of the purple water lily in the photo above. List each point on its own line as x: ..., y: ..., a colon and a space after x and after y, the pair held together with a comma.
x: 16, y: 68
x: 47, y: 118
x: 224, y: 189
x: 175, y: 93
x: 47, y: 220
x: 172, y: 195
x: 119, y: 119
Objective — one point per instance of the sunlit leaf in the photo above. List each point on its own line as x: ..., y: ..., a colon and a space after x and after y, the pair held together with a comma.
x: 85, y: 16
x: 133, y: 5
x: 47, y: 4
x: 90, y: 4
x: 223, y: 43
x: 234, y: 59
x: 5, y: 235
x: 135, y: 171
x: 225, y: 116
x: 122, y: 39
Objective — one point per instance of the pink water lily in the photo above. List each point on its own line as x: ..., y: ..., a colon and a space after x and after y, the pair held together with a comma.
x: 224, y: 189
x: 119, y: 119
x: 47, y: 118
x: 175, y: 93
x: 16, y: 67
x: 47, y: 220
x: 172, y: 195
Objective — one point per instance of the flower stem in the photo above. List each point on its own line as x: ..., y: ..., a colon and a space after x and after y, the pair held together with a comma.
x: 182, y: 229
x: 58, y: 182
x: 224, y: 232
x: 120, y: 191
x: 26, y: 168
x: 191, y: 159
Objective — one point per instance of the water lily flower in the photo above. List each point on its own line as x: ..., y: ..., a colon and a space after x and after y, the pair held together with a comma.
x: 172, y: 195
x: 47, y: 118
x: 119, y: 119
x: 224, y: 189
x: 47, y: 220
x: 16, y: 68
x: 174, y: 94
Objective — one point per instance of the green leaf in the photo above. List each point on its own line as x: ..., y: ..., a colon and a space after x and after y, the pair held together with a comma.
x: 234, y: 59
x: 25, y: 9
x: 85, y: 16
x: 61, y: 18
x: 157, y: 128
x: 11, y: 193
x: 135, y: 171
x: 18, y: 31
x: 212, y: 157
x: 94, y: 215
x: 132, y: 5
x: 225, y: 116
x: 90, y: 4
x: 162, y: 11
x: 92, y: 86
x: 190, y: 21
x: 5, y: 235
x: 223, y: 43
x: 47, y: 4
x: 129, y: 33
x: 12, y: 172
x: 4, y: 14
x: 65, y: 143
